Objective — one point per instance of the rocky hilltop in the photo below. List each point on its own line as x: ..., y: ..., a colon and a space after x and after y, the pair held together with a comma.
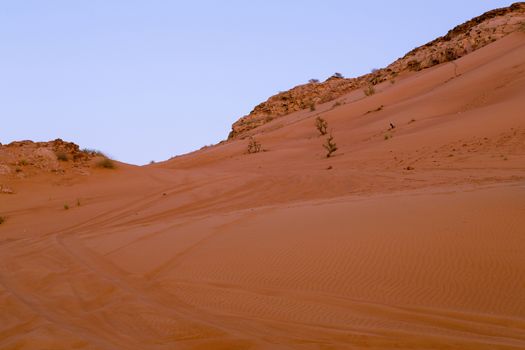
x: 463, y: 39
x: 21, y: 159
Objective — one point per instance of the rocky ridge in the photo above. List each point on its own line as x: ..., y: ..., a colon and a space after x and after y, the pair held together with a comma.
x: 460, y: 41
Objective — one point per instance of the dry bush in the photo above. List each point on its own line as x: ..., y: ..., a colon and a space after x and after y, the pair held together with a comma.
x: 105, y: 163
x: 62, y: 156
x: 2, y: 219
x: 93, y: 152
x: 330, y: 146
x: 313, y: 81
x: 414, y: 65
x: 321, y: 125
x: 369, y: 91
x: 254, y: 146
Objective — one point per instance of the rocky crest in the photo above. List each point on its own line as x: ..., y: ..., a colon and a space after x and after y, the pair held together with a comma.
x: 20, y: 159
x: 463, y: 39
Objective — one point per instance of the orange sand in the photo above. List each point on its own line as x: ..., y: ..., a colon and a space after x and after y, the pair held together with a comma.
x: 219, y: 249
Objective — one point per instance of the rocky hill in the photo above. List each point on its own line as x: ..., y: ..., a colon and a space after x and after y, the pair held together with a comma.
x: 463, y: 39
x: 21, y: 159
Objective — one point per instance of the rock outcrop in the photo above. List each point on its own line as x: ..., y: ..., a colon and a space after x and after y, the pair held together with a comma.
x: 463, y: 39
x: 24, y: 158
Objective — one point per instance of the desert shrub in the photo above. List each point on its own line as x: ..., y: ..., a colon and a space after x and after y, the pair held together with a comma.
x: 23, y: 162
x: 374, y: 70
x: 414, y: 65
x: 521, y: 28
x: 338, y: 75
x: 313, y: 81
x: 450, y: 55
x: 62, y: 156
x: 254, y: 146
x: 380, y: 108
x: 387, y: 136
x: 330, y: 146
x: 321, y: 125
x: 66, y: 206
x: 2, y: 219
x: 93, y: 152
x: 312, y: 107
x: 337, y: 104
x: 369, y: 91
x: 106, y: 163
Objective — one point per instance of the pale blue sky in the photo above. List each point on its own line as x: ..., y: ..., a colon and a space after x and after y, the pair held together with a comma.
x: 146, y: 80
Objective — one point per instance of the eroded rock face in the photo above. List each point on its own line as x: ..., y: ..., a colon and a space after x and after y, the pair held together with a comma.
x: 463, y: 39
x: 23, y: 158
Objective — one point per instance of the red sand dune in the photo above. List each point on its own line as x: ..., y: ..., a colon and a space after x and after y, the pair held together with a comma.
x: 413, y: 239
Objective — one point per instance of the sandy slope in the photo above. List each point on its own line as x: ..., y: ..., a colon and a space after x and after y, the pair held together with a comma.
x: 223, y: 250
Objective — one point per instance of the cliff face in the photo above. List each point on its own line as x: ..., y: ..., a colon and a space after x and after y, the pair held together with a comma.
x: 460, y: 41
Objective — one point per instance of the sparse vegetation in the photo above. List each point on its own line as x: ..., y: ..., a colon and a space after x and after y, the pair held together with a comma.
x: 337, y: 104
x: 321, y: 125
x: 414, y: 65
x: 450, y: 55
x: 387, y: 136
x: 78, y: 202
x: 338, y: 75
x: 380, y: 108
x: 521, y: 28
x: 312, y: 107
x: 106, y: 163
x: 254, y: 146
x: 2, y: 219
x: 330, y: 146
x: 23, y: 162
x: 66, y: 206
x: 313, y: 81
x: 369, y: 91
x: 374, y: 70
x: 62, y: 156
x: 93, y: 152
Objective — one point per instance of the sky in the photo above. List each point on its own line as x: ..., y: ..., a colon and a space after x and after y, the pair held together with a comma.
x: 148, y: 80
